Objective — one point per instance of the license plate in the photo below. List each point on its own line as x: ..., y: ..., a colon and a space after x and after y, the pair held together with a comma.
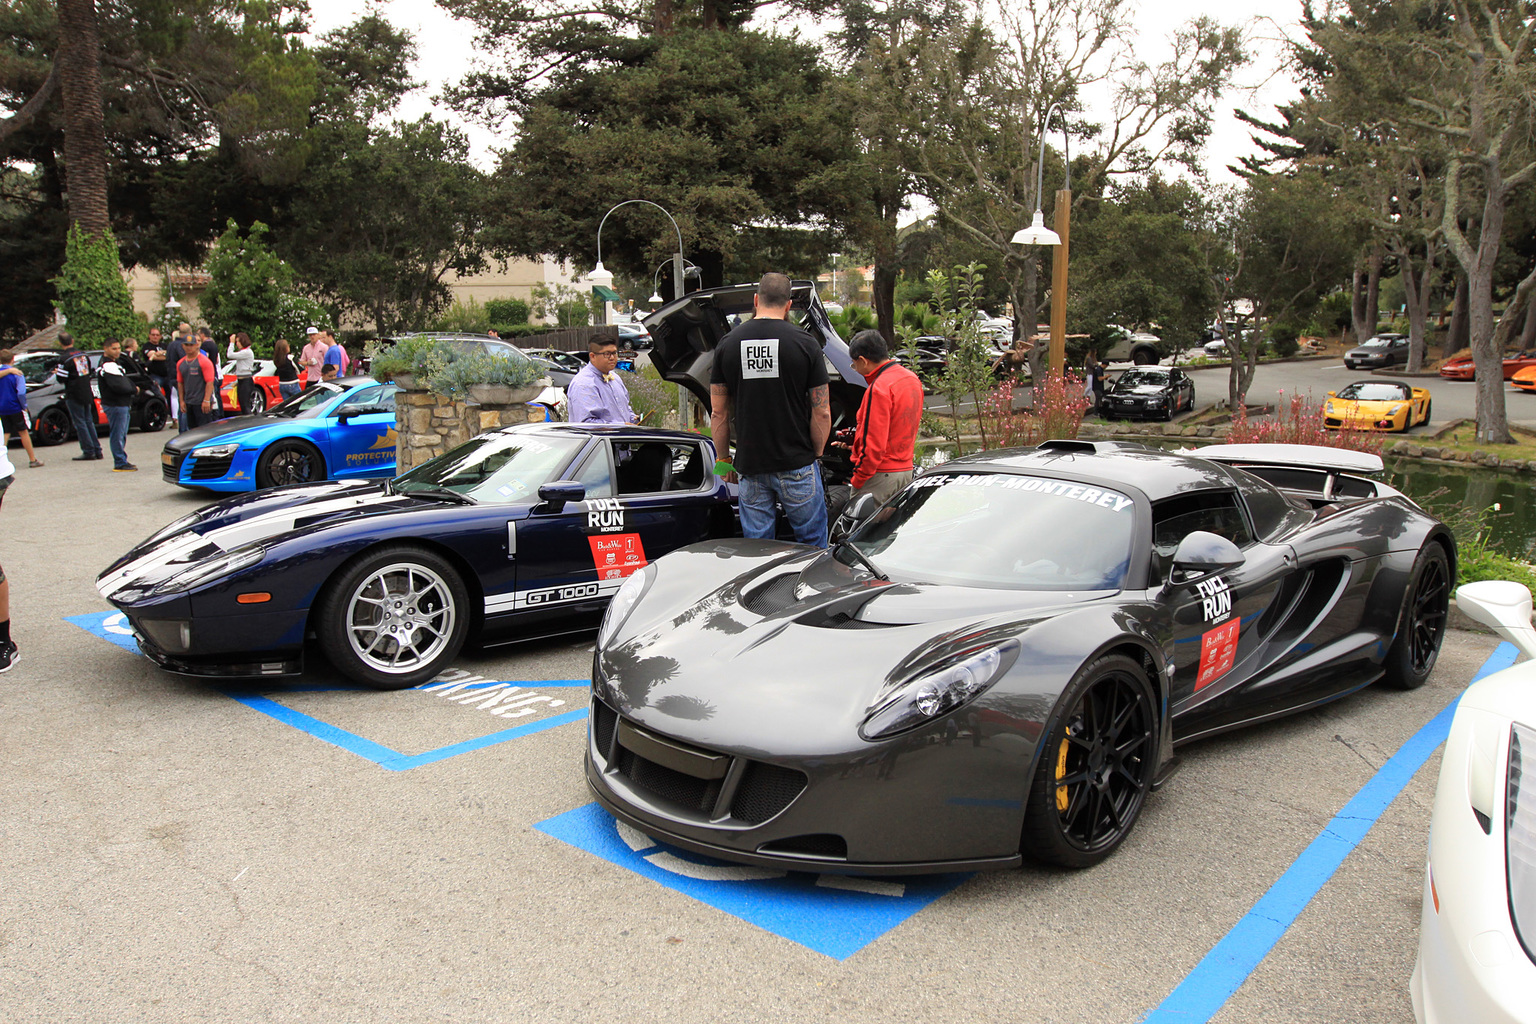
x: 167, y: 458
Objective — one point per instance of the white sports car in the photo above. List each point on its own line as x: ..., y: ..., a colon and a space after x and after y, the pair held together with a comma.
x: 1477, y: 936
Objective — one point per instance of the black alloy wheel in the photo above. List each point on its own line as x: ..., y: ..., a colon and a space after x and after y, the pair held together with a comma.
x: 1422, y: 626
x: 52, y: 426
x: 289, y: 461
x: 1095, y: 767
x: 152, y: 416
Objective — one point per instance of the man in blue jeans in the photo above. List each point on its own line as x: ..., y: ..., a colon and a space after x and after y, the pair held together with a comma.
x: 117, y: 393
x: 772, y: 376
x: 74, y: 372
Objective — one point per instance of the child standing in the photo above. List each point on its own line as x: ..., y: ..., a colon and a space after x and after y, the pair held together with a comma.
x: 13, y: 405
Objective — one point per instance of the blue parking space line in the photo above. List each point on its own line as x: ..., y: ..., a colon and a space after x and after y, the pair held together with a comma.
x: 394, y: 760
x: 1206, y: 989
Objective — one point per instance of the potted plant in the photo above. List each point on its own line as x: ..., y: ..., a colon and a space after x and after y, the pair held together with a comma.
x: 486, y: 379
x: 406, y: 362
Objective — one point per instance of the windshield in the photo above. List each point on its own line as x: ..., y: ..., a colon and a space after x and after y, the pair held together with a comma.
x: 37, y: 369
x: 1380, y: 343
x: 1003, y: 531
x: 307, y: 403
x: 498, y: 468
x: 1375, y: 393
x: 1141, y: 378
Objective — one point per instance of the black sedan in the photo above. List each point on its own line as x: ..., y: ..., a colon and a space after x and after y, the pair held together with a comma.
x: 1382, y: 350
x: 50, y: 418
x: 1149, y: 392
x: 999, y: 663
x: 523, y: 531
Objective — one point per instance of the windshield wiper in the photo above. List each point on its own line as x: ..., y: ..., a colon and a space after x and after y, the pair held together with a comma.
x: 862, y: 558
x: 436, y: 493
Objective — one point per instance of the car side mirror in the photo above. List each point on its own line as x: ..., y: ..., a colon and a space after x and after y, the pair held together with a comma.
x: 556, y: 493
x: 1333, y: 394
x: 1504, y: 606
x: 1200, y: 556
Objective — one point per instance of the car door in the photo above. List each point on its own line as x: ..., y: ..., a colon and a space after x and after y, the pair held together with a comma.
x: 666, y: 487
x: 360, y: 434
x: 556, y: 549
x: 1216, y: 623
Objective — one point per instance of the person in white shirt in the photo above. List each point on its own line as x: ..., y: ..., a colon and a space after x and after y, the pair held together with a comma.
x: 243, y: 358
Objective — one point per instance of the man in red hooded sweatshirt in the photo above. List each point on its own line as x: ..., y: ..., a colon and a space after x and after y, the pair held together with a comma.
x: 889, y: 417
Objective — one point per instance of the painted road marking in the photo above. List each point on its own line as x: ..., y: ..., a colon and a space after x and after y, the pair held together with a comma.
x: 500, y: 698
x: 1206, y: 989
x: 833, y: 915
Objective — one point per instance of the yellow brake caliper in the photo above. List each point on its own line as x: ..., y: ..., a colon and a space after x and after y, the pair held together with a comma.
x: 1061, y: 773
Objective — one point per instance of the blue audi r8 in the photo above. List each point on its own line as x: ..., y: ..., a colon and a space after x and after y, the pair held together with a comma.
x: 337, y: 430
x: 526, y: 530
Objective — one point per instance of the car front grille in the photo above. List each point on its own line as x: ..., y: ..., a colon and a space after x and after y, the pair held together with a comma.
x: 206, y: 468
x: 171, y: 471
x: 763, y: 789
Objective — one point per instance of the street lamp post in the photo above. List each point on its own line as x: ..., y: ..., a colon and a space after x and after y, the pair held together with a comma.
x: 655, y: 291
x: 684, y: 419
x: 1038, y: 234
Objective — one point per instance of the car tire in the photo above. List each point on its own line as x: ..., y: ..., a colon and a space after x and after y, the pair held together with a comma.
x: 258, y: 401
x: 152, y: 416
x: 52, y: 426
x: 1421, y: 626
x: 393, y: 617
x: 1095, y: 766
x: 289, y: 461
x: 1144, y: 357
x: 1429, y: 407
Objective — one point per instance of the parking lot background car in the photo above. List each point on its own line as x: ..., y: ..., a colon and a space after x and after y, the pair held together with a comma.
x: 1377, y: 405
x: 51, y: 423
x: 1127, y: 346
x: 1151, y: 392
x: 1375, y: 353
x: 528, y: 530
x: 999, y: 662
x: 339, y: 430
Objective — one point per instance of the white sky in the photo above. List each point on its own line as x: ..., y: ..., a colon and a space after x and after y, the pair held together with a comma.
x: 446, y: 50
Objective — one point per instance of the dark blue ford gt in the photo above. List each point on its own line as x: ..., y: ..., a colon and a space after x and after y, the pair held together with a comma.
x: 528, y: 530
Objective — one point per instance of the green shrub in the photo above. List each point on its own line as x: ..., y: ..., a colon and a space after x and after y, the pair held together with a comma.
x: 296, y: 313
x: 464, y: 318
x: 451, y: 370
x: 1282, y: 338
x: 92, y: 294
x: 408, y: 355
x: 248, y: 285
x: 510, y: 312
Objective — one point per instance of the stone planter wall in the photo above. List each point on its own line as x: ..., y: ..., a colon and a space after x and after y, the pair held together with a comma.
x: 427, y: 424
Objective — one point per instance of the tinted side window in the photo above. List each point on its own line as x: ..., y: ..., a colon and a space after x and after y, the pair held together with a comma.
x: 1271, y: 512
x: 596, y: 474
x: 1217, y: 512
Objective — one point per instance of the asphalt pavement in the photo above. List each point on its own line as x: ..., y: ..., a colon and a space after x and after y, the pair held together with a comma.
x: 175, y: 851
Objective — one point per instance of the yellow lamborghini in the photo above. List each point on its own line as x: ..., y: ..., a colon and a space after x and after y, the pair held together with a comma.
x: 1376, y: 405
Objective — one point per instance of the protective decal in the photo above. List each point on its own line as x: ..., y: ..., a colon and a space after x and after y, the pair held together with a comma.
x: 605, y: 515
x: 1218, y: 649
x: 759, y: 358
x: 382, y: 450
x: 1111, y: 500
x: 617, y: 556
x: 1215, y: 599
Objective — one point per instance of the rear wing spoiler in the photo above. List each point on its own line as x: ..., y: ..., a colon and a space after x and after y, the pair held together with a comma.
x: 1297, y: 456
x: 1316, y: 473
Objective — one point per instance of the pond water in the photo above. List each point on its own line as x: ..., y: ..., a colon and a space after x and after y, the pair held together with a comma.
x: 1454, y: 493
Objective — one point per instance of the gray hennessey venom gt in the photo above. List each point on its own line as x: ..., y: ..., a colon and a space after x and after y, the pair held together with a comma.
x: 999, y: 663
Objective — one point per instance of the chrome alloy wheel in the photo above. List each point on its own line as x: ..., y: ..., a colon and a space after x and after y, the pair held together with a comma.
x: 400, y: 617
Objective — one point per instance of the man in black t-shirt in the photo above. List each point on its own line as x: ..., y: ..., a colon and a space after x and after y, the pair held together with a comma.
x: 773, y: 377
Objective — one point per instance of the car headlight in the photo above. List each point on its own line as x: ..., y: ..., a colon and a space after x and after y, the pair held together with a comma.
x: 938, y: 692
x: 1396, y: 409
x: 1520, y: 835
x: 624, y: 601
x: 215, y: 451
x: 226, y: 564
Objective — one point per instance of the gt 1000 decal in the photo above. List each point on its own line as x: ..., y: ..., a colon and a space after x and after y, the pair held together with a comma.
x: 556, y: 595
x: 1215, y: 599
x: 605, y: 515
x: 1008, y: 482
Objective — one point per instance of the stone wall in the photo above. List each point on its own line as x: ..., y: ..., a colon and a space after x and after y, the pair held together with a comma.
x: 427, y: 424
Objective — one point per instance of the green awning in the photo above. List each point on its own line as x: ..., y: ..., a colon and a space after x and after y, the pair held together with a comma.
x: 605, y: 293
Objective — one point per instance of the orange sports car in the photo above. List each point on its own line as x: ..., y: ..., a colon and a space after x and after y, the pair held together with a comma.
x: 1459, y: 366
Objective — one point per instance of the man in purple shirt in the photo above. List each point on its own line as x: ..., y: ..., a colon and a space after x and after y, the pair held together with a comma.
x: 596, y: 395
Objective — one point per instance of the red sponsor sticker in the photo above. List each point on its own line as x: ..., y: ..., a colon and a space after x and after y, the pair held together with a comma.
x: 1218, y: 649
x: 616, y: 555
